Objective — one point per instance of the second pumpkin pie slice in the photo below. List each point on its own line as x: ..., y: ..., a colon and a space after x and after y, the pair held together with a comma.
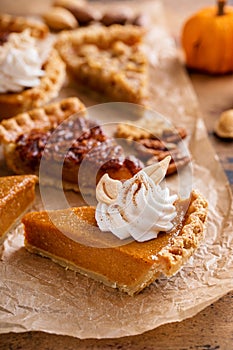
x: 16, y: 194
x: 136, y: 232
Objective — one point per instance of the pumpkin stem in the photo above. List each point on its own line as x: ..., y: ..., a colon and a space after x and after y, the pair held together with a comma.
x: 221, y: 5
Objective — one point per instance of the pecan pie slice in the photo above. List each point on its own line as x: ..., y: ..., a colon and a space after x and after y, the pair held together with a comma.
x: 129, y: 267
x: 154, y: 140
x: 109, y: 60
x: 29, y: 136
x: 16, y: 194
x: 13, y: 101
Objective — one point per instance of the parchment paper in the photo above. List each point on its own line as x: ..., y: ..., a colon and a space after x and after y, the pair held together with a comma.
x: 36, y: 294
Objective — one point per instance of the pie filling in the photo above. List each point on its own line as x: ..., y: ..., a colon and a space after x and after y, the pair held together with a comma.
x: 129, y: 85
x: 108, y: 60
x: 129, y: 267
x: 76, y: 141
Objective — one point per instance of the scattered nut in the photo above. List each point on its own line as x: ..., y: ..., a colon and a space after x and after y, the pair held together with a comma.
x: 3, y: 37
x: 117, y: 16
x: 141, y: 20
x: 67, y: 3
x: 84, y: 14
x: 224, y: 126
x: 58, y: 18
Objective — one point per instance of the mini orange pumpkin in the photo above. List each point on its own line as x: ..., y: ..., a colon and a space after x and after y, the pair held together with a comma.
x: 207, y: 39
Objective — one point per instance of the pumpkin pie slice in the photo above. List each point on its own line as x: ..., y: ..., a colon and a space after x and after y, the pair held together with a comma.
x: 63, y: 135
x: 31, y: 41
x: 109, y: 60
x: 16, y: 194
x: 72, y: 239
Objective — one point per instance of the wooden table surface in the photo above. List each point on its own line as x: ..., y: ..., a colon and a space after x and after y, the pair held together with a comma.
x: 213, y: 327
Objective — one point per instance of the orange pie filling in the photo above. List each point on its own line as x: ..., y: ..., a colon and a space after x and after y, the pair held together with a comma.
x: 16, y: 194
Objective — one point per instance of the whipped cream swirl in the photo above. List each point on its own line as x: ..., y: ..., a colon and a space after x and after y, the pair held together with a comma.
x: 139, y: 207
x: 20, y: 63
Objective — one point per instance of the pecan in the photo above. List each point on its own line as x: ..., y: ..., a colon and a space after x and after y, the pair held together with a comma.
x: 30, y: 148
x: 176, y: 250
x: 117, y: 16
x: 153, y: 143
x: 177, y: 164
x: 58, y: 18
x: 67, y: 3
x: 174, y: 136
x: 147, y: 147
x: 84, y: 14
x: 154, y: 150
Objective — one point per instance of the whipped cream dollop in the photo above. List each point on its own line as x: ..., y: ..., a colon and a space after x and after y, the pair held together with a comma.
x: 20, y: 63
x: 137, y: 208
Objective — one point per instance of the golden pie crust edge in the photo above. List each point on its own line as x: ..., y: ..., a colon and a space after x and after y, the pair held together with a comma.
x: 49, y: 87
x: 129, y: 34
x: 41, y: 119
x: 169, y: 260
x: 10, y: 23
x: 181, y: 248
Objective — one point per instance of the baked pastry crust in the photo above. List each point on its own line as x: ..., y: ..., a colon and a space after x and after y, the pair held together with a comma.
x: 43, y: 118
x: 16, y: 194
x: 50, y: 83
x: 130, y: 267
x: 109, y: 60
x: 9, y: 23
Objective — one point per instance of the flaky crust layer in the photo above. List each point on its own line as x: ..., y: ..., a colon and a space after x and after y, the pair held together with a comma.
x: 49, y: 87
x: 15, y: 201
x: 101, y: 36
x: 42, y: 119
x: 9, y: 23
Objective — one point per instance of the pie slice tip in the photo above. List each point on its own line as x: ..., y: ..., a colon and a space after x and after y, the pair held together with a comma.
x: 10, y: 23
x: 130, y: 267
x: 17, y: 193
x: 108, y: 60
